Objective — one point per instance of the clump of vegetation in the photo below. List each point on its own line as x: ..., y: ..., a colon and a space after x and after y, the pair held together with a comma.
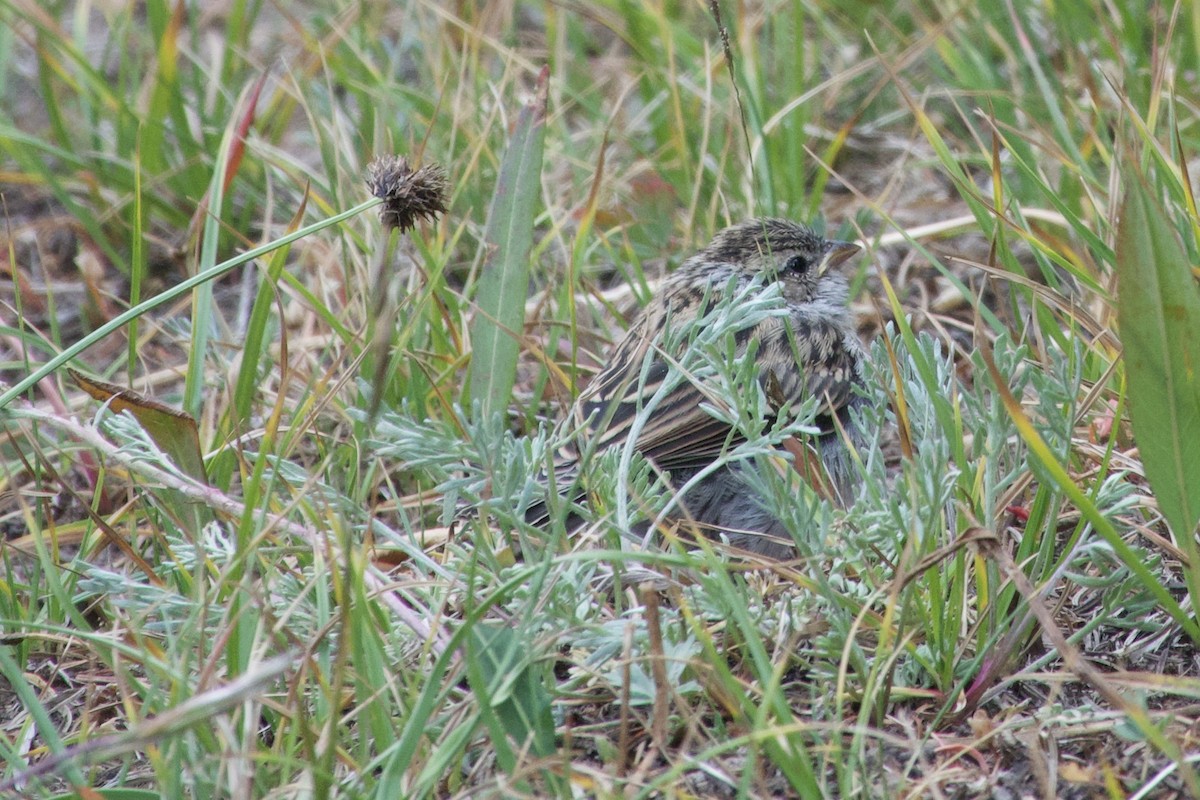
x: 236, y: 559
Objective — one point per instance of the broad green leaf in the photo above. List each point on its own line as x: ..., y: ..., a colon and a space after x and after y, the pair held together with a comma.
x: 504, y: 284
x: 510, y: 687
x: 172, y: 430
x: 1159, y: 318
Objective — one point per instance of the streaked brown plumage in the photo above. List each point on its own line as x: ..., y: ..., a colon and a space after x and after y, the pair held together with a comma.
x: 813, y: 350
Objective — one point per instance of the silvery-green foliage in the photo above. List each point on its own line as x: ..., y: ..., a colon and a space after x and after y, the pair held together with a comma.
x: 777, y: 619
x: 216, y: 547
x: 1054, y: 397
x: 158, y: 609
x: 916, y: 502
x: 1095, y: 567
x: 1050, y: 395
x: 489, y: 468
x: 310, y: 489
x: 161, y: 608
x: 706, y: 352
x: 737, y: 377
x: 623, y: 492
x: 642, y: 686
x: 606, y: 649
x: 913, y: 508
x: 167, y: 610
x: 992, y: 440
x: 712, y: 357
x: 135, y: 443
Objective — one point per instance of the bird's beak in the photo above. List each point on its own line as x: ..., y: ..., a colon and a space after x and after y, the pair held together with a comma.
x: 836, y: 253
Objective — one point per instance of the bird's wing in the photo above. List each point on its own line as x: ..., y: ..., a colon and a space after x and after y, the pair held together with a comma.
x: 793, y: 365
x: 678, y: 433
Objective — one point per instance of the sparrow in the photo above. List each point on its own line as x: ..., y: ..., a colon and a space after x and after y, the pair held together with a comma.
x: 811, y: 351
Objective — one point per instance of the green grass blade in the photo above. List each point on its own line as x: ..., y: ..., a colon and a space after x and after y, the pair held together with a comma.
x: 161, y: 299
x: 28, y: 699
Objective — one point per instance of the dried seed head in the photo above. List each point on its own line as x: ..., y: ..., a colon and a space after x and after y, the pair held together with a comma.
x: 408, y: 195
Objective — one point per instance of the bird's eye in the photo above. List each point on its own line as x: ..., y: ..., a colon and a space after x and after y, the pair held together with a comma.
x: 796, y: 263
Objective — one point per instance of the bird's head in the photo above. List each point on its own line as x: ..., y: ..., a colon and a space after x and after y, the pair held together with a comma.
x: 780, y: 250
